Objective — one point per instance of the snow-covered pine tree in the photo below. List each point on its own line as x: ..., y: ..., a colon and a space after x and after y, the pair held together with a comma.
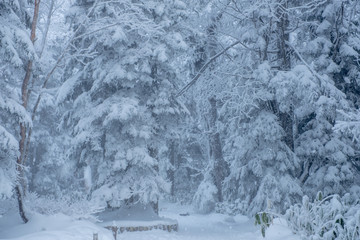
x: 263, y: 167
x: 207, y: 102
x: 258, y: 145
x: 322, y: 46
x: 49, y: 173
x: 118, y: 86
x: 17, y: 51
x: 306, y: 96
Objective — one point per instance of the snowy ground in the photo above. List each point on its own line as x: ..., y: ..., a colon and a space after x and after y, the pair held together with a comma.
x: 194, y: 226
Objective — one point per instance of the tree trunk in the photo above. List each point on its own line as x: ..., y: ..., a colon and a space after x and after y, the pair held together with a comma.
x: 286, y: 118
x: 155, y: 207
x: 287, y: 123
x: 20, y: 187
x: 221, y: 168
x: 20, y: 204
x: 283, y: 36
x: 170, y: 172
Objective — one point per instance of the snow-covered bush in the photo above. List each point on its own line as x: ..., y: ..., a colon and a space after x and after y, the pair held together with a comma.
x: 332, y: 217
x: 77, y: 208
x: 205, y: 198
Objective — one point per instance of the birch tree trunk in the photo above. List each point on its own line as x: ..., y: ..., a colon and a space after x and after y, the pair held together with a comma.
x: 20, y: 187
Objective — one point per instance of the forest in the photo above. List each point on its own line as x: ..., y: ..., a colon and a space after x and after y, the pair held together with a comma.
x: 244, y: 107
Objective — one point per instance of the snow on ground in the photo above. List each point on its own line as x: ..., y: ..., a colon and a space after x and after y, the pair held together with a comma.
x: 56, y: 227
x: 194, y: 226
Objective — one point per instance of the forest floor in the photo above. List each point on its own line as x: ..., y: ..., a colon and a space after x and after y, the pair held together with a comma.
x: 191, y: 227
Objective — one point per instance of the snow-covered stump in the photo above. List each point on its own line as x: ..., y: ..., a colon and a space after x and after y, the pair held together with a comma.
x: 137, y: 218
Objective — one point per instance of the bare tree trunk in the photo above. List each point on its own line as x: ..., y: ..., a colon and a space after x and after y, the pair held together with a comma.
x: 20, y: 187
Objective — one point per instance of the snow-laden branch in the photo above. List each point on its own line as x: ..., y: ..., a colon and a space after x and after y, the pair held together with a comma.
x: 323, y: 84
x: 61, y: 57
x: 202, y: 70
x: 48, y: 76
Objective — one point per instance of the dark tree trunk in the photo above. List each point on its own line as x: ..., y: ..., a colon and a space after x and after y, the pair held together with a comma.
x: 170, y: 172
x: 155, y: 207
x: 287, y: 123
x: 283, y: 37
x: 221, y: 168
x: 286, y: 118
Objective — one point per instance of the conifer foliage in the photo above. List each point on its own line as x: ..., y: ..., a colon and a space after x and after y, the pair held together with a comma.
x: 236, y: 106
x: 119, y: 83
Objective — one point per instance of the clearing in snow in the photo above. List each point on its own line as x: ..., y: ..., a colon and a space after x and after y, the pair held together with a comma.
x: 212, y: 226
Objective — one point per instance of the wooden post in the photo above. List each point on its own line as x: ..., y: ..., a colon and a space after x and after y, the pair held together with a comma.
x: 95, y: 236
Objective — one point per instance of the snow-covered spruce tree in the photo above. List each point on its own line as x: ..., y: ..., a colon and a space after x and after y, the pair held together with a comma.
x: 48, y: 171
x: 260, y: 157
x: 180, y: 157
x: 263, y: 167
x: 188, y: 163
x: 118, y: 86
x: 304, y: 93
x: 324, y: 46
x: 205, y: 94
x: 17, y: 54
x: 10, y: 113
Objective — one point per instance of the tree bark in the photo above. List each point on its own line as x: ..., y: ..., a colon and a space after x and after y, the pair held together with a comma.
x: 20, y: 204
